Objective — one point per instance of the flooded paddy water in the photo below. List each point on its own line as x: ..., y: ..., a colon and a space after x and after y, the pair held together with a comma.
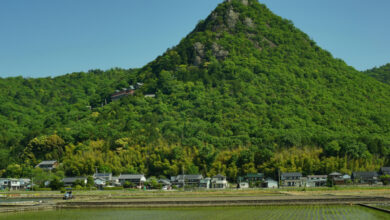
x: 258, y: 212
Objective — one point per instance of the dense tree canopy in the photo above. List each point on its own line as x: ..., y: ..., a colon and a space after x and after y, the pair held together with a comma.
x: 246, y: 91
x: 380, y: 73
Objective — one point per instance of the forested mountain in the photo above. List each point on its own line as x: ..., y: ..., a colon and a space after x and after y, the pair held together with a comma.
x: 245, y: 91
x: 380, y: 73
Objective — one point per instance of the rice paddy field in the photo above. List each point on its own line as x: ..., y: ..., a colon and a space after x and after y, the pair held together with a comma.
x: 261, y: 212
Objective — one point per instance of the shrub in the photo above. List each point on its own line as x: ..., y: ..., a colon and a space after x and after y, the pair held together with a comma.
x: 113, y: 188
x: 42, y: 189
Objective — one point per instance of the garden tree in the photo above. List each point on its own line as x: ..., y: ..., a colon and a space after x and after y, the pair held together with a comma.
x: 245, y: 91
x: 152, y: 183
x: 79, y: 183
x: 56, y: 183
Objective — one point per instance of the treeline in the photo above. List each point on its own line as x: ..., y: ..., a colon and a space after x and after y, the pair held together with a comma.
x: 239, y: 94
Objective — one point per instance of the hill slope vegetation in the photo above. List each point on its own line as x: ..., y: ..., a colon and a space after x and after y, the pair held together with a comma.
x: 380, y: 73
x: 244, y: 92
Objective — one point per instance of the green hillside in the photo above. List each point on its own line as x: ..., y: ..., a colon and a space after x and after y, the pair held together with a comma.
x: 246, y: 91
x: 380, y: 73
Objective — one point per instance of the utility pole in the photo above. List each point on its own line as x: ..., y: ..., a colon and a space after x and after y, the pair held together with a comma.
x: 184, y: 179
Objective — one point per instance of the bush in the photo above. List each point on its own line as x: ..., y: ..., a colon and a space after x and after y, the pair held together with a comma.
x: 385, y: 179
x: 128, y: 185
x: 41, y: 189
x: 56, y: 184
x: 113, y: 188
x: 78, y: 187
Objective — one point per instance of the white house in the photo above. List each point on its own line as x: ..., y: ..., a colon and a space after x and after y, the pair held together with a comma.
x: 243, y: 185
x: 219, y: 182
x: 270, y: 183
x: 137, y: 179
x: 316, y: 180
x: 14, y: 184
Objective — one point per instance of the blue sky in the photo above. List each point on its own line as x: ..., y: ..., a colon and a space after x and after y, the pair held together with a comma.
x: 42, y: 38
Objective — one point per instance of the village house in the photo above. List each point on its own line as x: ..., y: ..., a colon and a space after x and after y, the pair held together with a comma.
x: 316, y: 180
x: 25, y: 183
x: 48, y: 164
x: 385, y: 171
x: 219, y: 182
x: 205, y: 183
x: 13, y: 184
x: 336, y: 178
x: 365, y: 177
x: 137, y: 180
x: 243, y: 185
x: 253, y: 177
x: 3, y: 183
x: 120, y: 94
x: 104, y: 176
x: 292, y: 179
x: 70, y: 181
x: 189, y: 180
x: 270, y: 183
x: 115, y: 181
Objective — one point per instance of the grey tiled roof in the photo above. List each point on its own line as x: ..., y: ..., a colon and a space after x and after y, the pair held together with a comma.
x: 131, y: 176
x: 47, y: 162
x: 190, y: 176
x: 73, y: 179
x: 291, y: 174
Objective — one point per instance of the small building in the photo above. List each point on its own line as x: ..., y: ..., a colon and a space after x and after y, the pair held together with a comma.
x: 316, y: 180
x: 123, y: 93
x: 25, y: 183
x: 150, y: 96
x: 219, y: 182
x: 189, y: 180
x: 254, y: 177
x: 48, y: 164
x: 365, y: 177
x: 243, y: 185
x: 13, y: 184
x: 3, y: 183
x: 270, y: 183
x: 293, y: 179
x: 384, y: 171
x: 115, y: 181
x: 205, y: 183
x: 336, y: 178
x: 137, y: 179
x: 70, y: 181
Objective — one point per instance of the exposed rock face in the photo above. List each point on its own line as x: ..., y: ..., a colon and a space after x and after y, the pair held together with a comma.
x: 248, y: 22
x: 197, y: 61
x: 232, y: 18
x: 219, y: 52
x: 199, y: 49
x: 244, y: 2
